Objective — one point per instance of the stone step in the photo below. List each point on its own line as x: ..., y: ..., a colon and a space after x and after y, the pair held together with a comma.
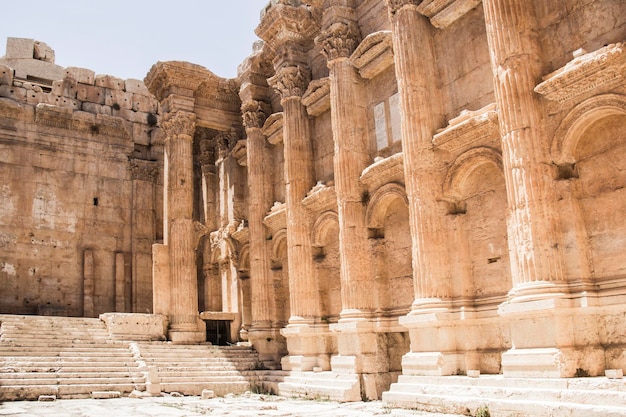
x: 6, y: 376
x: 195, y: 388
x: 321, y: 385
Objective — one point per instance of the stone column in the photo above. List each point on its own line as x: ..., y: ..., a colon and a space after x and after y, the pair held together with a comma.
x: 185, y: 325
x: 543, y: 329
x: 359, y: 350
x: 433, y: 346
x: 291, y: 82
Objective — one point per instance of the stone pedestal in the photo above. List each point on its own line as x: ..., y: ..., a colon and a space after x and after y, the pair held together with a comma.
x: 308, y: 346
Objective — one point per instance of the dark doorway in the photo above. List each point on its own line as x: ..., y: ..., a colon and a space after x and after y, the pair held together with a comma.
x: 217, y: 332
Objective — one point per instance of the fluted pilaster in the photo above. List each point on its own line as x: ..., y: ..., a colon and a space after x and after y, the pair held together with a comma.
x: 535, y: 255
x: 421, y: 116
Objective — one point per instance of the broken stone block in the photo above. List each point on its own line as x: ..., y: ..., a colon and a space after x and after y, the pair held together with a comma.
x: 105, y: 395
x: 47, y: 398
x: 95, y: 108
x: 16, y: 93
x: 136, y: 86
x: 207, y: 394
x: 43, y: 52
x: 614, y: 373
x: 6, y: 75
x: 81, y: 75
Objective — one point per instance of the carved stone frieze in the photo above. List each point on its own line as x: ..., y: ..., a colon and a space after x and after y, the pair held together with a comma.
x: 53, y: 116
x: 469, y: 130
x: 322, y: 197
x: 143, y: 170
x: 602, y: 70
x: 374, y: 54
x: 339, y: 40
x: 316, y: 98
x: 276, y: 219
x: 290, y: 81
x: 178, y: 123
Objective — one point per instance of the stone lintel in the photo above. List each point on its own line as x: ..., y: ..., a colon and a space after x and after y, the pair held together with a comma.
x: 218, y: 315
x: 219, y: 120
x: 596, y: 72
x: 374, y: 54
x: 240, y: 152
x: 442, y: 13
x: 273, y: 128
x: 469, y: 130
x: 316, y: 98
x: 383, y: 171
x: 277, y: 217
x: 135, y: 326
x: 321, y: 198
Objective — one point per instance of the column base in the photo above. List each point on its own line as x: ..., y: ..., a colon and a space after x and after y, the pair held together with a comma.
x: 432, y: 363
x: 310, y: 347
x: 187, y: 330
x: 270, y: 346
x: 552, y: 363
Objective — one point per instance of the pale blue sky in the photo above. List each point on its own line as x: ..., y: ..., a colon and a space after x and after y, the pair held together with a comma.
x: 125, y: 37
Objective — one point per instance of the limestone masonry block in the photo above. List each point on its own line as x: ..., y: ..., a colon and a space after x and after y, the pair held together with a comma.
x: 16, y: 93
x: 91, y: 94
x: 136, y: 86
x: 144, y: 103
x: 614, y: 373
x: 96, y: 108
x: 110, y: 82
x: 141, y: 133
x: 81, y: 75
x: 118, y: 98
x: 66, y: 87
x: 6, y: 75
x: 20, y: 48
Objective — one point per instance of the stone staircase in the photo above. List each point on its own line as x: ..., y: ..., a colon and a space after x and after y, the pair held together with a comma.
x: 190, y: 369
x: 62, y: 356
x: 511, y: 397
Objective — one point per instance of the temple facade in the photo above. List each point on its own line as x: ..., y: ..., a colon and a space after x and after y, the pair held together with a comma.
x: 388, y: 188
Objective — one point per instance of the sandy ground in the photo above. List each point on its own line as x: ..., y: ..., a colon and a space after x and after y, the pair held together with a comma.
x: 233, y: 406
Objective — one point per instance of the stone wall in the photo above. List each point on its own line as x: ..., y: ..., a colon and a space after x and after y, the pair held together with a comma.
x: 80, y: 162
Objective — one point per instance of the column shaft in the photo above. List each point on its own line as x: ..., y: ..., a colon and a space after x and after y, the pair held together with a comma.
x: 515, y: 60
x: 421, y: 115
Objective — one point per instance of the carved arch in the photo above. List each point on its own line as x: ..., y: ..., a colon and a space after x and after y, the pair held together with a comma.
x: 463, y: 167
x: 279, y: 241
x: 323, y: 224
x: 380, y: 202
x: 243, y: 269
x: 578, y: 119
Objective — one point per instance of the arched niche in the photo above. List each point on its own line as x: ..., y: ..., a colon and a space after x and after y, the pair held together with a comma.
x: 280, y: 303
x: 327, y: 264
x: 387, y: 217
x: 475, y: 189
x: 591, y: 144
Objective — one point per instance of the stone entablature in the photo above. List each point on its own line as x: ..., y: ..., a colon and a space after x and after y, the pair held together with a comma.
x: 470, y: 129
x: 276, y: 219
x: 321, y: 198
x: 596, y: 72
x: 443, y: 13
x: 273, y: 128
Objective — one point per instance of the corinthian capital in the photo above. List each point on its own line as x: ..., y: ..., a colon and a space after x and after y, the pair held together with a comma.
x: 253, y: 114
x: 395, y: 5
x: 290, y: 81
x: 339, y: 40
x: 179, y: 123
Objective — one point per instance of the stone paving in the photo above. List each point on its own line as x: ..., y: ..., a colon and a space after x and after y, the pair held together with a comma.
x: 232, y: 406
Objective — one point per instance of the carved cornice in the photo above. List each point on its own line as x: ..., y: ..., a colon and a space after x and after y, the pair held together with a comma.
x: 374, y: 54
x: 287, y: 22
x: 218, y: 93
x: 442, y: 13
x: 254, y: 113
x: 178, y: 123
x: 175, y: 77
x: 273, y: 128
x: 339, y: 40
x: 469, y: 130
x: 395, y: 5
x: 290, y: 81
x: 316, y: 98
x: 143, y: 170
x: 276, y: 219
x: 597, y: 71
x: 383, y: 171
x: 320, y: 198
x: 240, y: 152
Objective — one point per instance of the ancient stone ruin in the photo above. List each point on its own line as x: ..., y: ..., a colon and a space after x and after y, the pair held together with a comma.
x: 419, y: 201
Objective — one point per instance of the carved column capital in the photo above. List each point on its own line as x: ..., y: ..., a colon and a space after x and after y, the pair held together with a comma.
x: 225, y: 142
x: 253, y: 114
x: 339, y: 40
x: 179, y: 123
x: 143, y: 170
x: 290, y: 81
x: 396, y: 5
